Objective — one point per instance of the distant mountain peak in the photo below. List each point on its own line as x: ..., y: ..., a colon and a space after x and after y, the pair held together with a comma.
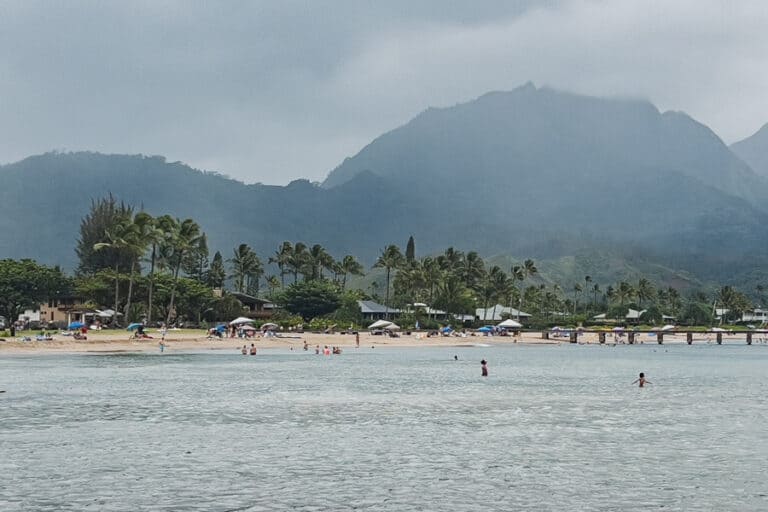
x: 754, y: 150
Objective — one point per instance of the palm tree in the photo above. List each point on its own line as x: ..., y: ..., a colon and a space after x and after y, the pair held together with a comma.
x: 140, y: 231
x: 158, y: 234
x: 183, y: 238
x: 644, y: 291
x: 319, y: 259
x: 486, y: 287
x: 273, y: 283
x: 432, y: 275
x: 595, y: 291
x: 298, y: 260
x: 624, y: 292
x: 577, y: 289
x: 587, y: 280
x: 390, y: 258
x: 473, y: 269
x: 119, y: 239
x: 349, y: 266
x: 282, y: 258
x: 528, y: 269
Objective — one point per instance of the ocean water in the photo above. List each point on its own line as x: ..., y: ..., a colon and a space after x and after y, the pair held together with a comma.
x: 390, y: 429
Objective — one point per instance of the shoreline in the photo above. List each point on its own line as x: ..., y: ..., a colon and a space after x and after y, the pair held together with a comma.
x: 119, y: 342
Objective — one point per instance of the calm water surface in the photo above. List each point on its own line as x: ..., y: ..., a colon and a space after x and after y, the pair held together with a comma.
x: 552, y: 428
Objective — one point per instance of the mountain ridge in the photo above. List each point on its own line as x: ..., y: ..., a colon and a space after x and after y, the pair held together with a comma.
x: 533, y: 171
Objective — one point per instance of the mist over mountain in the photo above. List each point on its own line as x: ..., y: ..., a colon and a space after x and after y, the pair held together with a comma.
x: 754, y: 150
x: 528, y: 173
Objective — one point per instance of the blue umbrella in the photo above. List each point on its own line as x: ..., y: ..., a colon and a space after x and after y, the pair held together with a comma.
x: 134, y: 326
x: 76, y: 325
x: 221, y: 328
x: 485, y: 329
x: 447, y: 329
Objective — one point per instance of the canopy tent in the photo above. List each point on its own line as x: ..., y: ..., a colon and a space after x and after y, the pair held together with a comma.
x: 510, y: 324
x: 241, y: 320
x: 379, y: 324
x: 392, y: 327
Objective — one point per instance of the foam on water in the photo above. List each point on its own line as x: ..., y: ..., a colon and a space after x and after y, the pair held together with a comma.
x: 552, y: 428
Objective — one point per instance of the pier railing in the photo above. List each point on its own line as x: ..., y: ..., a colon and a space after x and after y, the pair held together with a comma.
x: 632, y: 335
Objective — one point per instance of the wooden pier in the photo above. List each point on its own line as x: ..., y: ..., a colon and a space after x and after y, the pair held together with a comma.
x: 631, y: 335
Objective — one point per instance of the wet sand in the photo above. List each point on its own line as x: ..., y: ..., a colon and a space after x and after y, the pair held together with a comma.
x: 117, y: 341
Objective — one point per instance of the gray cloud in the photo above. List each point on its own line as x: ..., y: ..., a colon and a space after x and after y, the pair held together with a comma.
x: 274, y: 91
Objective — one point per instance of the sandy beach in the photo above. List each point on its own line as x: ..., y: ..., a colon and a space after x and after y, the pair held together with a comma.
x: 187, y: 340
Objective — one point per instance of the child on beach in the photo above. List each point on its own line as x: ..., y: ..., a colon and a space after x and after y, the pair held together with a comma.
x: 641, y: 380
x: 484, y: 367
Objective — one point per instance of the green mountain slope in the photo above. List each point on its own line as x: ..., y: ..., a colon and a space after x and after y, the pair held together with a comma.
x: 533, y: 172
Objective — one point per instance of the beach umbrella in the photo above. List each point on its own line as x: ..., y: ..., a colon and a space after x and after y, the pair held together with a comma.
x: 618, y: 329
x: 221, y: 328
x: 392, y: 327
x: 76, y: 325
x: 240, y: 320
x: 248, y: 328
x: 446, y: 330
x: 268, y: 326
x: 485, y: 329
x: 510, y: 324
x: 669, y: 327
x: 717, y: 329
x: 133, y: 326
x: 379, y: 324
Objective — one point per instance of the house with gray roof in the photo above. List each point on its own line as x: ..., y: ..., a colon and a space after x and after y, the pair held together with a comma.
x: 375, y: 311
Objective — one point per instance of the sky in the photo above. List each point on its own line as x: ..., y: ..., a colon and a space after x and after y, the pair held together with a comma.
x: 275, y: 91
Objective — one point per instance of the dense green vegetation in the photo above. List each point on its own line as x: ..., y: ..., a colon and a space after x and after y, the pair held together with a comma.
x: 158, y: 269
x: 608, y: 188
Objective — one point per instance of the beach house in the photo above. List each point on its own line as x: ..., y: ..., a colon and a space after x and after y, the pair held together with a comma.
x: 498, y: 313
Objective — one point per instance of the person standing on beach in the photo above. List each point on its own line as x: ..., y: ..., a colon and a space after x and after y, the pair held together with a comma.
x: 357, y: 340
x: 641, y: 380
x: 162, y: 346
x: 484, y: 367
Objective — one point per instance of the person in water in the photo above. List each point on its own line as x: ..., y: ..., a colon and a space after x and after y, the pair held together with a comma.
x: 253, y: 349
x: 244, y: 351
x: 484, y: 367
x: 641, y: 380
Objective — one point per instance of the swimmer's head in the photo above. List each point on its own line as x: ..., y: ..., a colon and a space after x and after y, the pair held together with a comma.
x: 642, y: 375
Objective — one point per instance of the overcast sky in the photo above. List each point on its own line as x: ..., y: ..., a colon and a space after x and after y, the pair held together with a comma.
x: 274, y: 91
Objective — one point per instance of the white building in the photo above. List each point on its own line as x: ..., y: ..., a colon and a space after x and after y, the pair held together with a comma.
x: 495, y: 313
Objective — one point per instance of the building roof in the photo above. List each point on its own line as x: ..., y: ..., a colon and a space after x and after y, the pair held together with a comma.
x: 496, y: 311
x: 369, y: 307
x: 249, y: 299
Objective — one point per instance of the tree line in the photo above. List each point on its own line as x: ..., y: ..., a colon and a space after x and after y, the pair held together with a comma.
x: 158, y: 268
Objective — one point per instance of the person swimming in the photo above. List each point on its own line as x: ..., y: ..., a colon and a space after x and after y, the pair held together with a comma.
x: 484, y: 367
x: 641, y: 380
